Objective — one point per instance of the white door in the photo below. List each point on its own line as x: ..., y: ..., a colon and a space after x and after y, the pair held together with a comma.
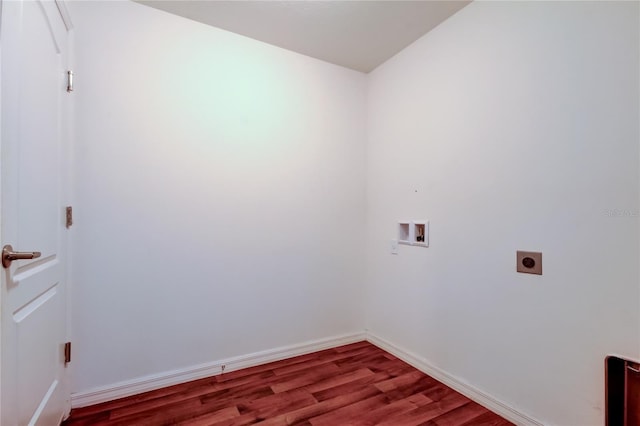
x: 33, y: 44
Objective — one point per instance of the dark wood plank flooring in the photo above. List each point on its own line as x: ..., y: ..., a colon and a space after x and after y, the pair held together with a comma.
x: 357, y: 384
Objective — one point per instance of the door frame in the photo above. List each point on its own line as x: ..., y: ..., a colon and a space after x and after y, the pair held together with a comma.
x: 67, y: 133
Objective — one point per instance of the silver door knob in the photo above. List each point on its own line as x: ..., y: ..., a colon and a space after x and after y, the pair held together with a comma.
x: 8, y: 255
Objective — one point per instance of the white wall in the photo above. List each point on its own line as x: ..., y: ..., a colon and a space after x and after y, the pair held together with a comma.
x: 220, y: 198
x: 219, y: 195
x: 513, y: 125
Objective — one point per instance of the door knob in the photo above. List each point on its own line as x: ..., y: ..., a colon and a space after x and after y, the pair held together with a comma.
x: 8, y: 255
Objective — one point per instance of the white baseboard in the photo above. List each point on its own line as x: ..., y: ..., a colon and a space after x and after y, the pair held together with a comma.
x: 454, y: 383
x: 183, y: 375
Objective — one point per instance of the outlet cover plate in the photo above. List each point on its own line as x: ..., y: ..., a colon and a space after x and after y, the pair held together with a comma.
x: 529, y: 262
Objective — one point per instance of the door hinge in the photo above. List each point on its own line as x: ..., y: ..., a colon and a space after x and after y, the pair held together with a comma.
x: 69, y: 220
x: 69, y: 81
x: 67, y: 353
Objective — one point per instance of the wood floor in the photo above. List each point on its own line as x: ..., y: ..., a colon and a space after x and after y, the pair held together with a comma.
x: 357, y: 384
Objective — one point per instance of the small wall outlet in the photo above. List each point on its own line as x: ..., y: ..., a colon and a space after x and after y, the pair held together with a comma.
x: 529, y: 262
x: 394, y: 246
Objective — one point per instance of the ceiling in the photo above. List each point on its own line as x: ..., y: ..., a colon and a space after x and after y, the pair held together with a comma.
x: 355, y: 34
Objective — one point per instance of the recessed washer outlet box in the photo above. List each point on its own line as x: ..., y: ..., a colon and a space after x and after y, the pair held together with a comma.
x: 529, y: 262
x: 414, y: 233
